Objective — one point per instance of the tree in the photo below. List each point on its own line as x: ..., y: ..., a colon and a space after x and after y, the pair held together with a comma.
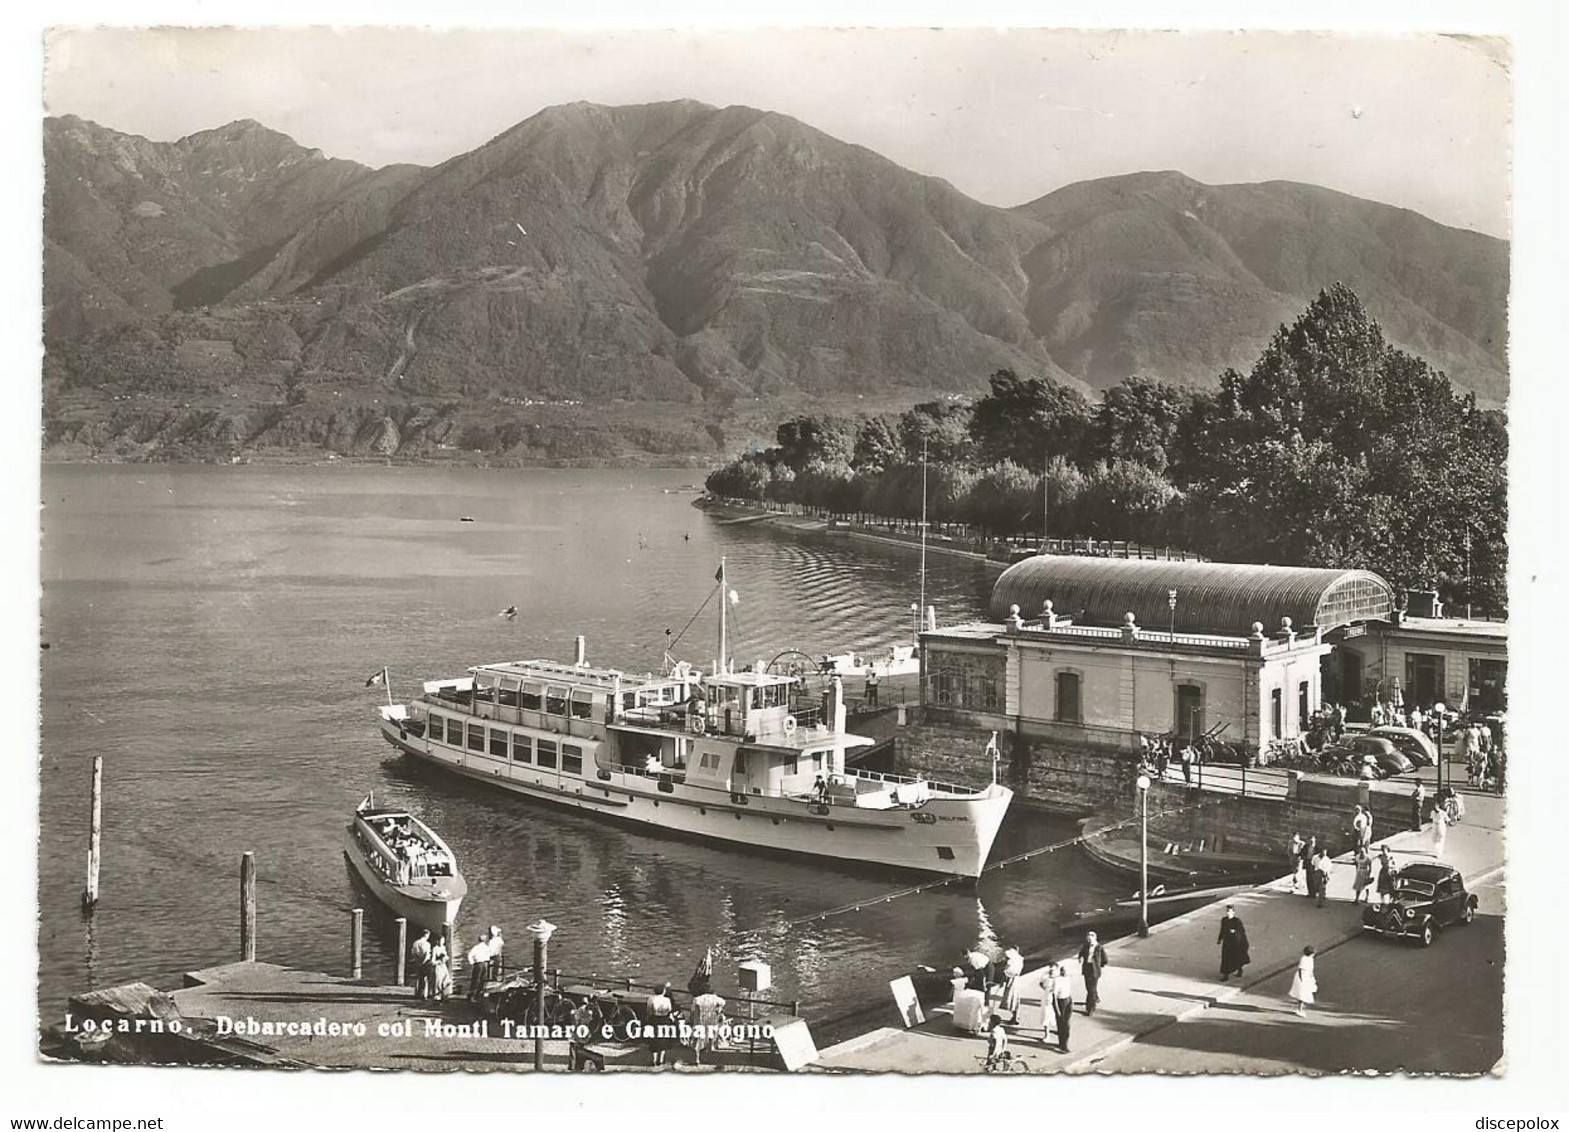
x: 1337, y: 449
x: 877, y: 444
x: 1025, y: 419
x: 822, y: 439
x: 936, y: 431
x: 1004, y: 499
x: 1139, y: 420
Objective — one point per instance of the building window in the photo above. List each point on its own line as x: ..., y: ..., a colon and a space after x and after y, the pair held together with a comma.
x: 547, y: 753
x: 476, y: 737
x: 498, y: 742
x: 1487, y: 687
x: 1070, y: 706
x: 1304, y: 708
x: 1277, y: 724
x: 1424, y: 679
x: 522, y: 748
x: 965, y: 681
x: 571, y: 758
x: 1189, y: 722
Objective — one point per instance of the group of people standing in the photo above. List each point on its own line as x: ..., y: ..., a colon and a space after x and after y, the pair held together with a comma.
x: 433, y: 965
x: 1058, y: 991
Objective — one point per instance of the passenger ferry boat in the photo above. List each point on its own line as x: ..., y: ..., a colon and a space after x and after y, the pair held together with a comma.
x: 405, y: 864
x: 728, y: 755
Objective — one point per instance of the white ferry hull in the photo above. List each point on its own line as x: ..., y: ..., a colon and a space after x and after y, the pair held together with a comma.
x: 945, y: 835
x: 421, y: 911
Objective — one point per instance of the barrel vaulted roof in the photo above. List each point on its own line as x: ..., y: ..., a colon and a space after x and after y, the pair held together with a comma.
x: 1212, y: 597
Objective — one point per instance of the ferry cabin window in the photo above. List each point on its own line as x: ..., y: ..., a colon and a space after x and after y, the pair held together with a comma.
x: 571, y: 758
x: 547, y: 753
x: 529, y: 697
x: 498, y: 742
x: 455, y: 731
x: 792, y: 765
x: 476, y: 736
x: 522, y: 748
x: 556, y: 701
x: 436, y: 728
x: 508, y: 697
x: 582, y: 705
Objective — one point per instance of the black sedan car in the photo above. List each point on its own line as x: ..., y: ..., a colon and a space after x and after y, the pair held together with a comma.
x: 1427, y: 897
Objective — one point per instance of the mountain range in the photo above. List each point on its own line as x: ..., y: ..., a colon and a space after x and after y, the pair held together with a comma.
x: 615, y: 282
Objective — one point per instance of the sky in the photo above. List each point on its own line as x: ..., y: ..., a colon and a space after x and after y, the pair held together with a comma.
x: 1420, y: 121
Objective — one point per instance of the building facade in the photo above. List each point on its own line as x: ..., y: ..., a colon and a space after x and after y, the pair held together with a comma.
x: 1425, y: 660
x: 1114, y: 649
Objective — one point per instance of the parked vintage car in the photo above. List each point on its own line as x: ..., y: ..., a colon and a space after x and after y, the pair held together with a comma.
x: 1427, y: 897
x: 1354, y: 750
x: 1409, y: 742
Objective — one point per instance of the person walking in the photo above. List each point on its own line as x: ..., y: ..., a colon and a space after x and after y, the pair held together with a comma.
x: 440, y: 972
x: 1187, y: 764
x: 660, y: 1009
x: 1048, y: 1001
x: 1012, y: 973
x: 871, y: 687
x: 1233, y: 940
x: 1441, y: 821
x: 1364, y: 876
x: 1062, y: 1005
x: 1304, y: 984
x: 1321, y: 869
x: 1294, y: 861
x: 1362, y: 826
x: 1386, y: 875
x: 1418, y: 805
x: 479, y: 968
x: 420, y: 953
x: 1309, y: 851
x: 494, y: 943
x: 1092, y: 961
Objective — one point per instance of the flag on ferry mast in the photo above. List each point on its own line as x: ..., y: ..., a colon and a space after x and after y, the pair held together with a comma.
x: 376, y: 678
x: 701, y: 981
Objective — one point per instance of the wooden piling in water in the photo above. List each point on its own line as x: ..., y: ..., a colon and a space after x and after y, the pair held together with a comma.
x: 248, y: 907
x: 403, y: 949
x: 95, y: 836
x: 356, y: 954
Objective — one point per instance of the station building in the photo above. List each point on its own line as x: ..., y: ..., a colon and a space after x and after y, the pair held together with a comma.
x: 1098, y: 651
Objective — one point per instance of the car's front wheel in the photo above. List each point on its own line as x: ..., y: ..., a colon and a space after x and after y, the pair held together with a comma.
x: 1427, y: 935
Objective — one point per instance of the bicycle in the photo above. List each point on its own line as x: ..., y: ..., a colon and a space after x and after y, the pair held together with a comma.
x: 1005, y: 1062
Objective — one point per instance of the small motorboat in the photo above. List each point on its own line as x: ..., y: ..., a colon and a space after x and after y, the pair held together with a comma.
x: 1163, y: 905
x: 405, y: 864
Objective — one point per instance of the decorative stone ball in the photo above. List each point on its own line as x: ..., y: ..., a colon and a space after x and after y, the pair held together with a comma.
x: 1258, y: 628
x: 1046, y: 606
x: 1285, y: 624
x: 1013, y: 611
x: 1127, y: 619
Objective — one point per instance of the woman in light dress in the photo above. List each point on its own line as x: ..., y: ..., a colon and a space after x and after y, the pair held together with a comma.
x: 440, y: 973
x: 1303, y: 984
x: 1013, y: 969
x: 1440, y: 830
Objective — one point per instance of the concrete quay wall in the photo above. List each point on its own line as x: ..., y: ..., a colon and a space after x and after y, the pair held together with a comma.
x: 1087, y: 779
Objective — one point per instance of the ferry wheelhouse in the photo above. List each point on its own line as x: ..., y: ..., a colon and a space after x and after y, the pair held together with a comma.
x: 733, y: 756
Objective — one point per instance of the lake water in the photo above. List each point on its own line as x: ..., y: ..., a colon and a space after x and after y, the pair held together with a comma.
x: 210, y: 633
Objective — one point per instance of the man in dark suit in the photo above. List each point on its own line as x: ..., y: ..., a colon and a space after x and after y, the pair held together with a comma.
x: 1092, y: 960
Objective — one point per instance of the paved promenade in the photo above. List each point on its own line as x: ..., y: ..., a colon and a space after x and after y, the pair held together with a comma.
x: 1155, y: 989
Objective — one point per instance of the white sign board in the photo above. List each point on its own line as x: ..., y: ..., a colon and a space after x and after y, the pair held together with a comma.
x: 905, y: 999
x: 795, y: 1045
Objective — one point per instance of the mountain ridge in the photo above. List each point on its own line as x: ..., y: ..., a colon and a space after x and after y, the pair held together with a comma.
x: 691, y: 255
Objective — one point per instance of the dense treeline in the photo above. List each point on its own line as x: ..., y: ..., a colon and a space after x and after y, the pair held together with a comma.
x: 1336, y: 449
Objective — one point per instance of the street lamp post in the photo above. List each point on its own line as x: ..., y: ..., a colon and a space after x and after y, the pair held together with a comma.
x: 1144, y: 855
x: 541, y: 930
x: 1171, y: 604
x: 915, y: 623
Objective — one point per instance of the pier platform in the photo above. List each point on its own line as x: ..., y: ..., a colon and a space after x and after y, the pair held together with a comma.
x: 1163, y: 1005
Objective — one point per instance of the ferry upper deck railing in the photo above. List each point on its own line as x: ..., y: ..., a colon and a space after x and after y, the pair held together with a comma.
x: 563, y: 981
